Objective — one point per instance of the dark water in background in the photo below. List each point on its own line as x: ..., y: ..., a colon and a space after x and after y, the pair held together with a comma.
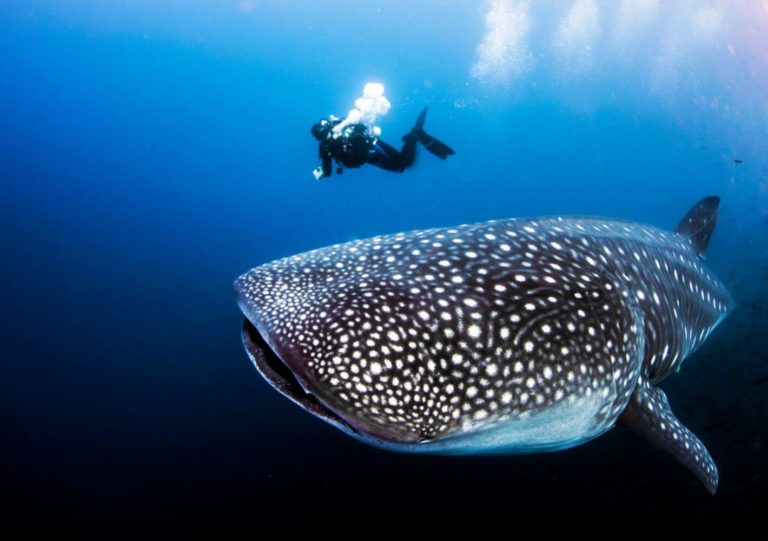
x: 149, y: 154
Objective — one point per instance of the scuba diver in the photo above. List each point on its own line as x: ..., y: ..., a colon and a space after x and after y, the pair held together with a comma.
x: 355, y: 141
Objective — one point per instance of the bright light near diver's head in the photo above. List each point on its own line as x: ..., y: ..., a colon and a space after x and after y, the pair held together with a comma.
x: 372, y: 104
x: 373, y: 90
x: 368, y: 108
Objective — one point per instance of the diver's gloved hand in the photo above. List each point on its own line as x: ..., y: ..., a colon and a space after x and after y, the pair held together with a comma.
x: 317, y: 172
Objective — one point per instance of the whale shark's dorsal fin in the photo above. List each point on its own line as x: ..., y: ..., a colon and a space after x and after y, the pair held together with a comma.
x: 699, y: 223
x: 649, y: 414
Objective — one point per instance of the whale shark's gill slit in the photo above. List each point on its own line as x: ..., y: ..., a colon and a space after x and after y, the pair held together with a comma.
x: 594, y: 309
x: 532, y: 322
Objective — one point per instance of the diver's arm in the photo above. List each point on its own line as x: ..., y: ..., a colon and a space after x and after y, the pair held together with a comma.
x: 326, y: 169
x: 327, y: 165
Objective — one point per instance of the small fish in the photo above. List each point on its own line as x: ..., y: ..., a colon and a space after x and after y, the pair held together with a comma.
x: 510, y: 336
x: 737, y: 161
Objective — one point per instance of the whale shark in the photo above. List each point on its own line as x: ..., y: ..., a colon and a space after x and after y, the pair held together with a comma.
x: 507, y: 336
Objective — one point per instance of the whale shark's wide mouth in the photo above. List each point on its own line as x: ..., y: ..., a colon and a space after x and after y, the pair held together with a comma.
x: 282, y: 378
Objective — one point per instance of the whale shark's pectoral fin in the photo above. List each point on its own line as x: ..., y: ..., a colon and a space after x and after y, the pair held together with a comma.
x: 649, y: 414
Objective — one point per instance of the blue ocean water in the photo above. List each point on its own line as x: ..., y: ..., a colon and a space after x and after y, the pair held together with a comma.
x: 152, y: 152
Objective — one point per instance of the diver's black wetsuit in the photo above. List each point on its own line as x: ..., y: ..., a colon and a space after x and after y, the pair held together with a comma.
x: 356, y: 146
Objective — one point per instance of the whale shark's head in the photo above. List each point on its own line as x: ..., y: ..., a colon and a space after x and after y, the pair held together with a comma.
x: 328, y: 359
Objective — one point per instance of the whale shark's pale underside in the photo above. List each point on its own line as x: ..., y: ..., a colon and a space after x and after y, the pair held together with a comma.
x: 507, y: 336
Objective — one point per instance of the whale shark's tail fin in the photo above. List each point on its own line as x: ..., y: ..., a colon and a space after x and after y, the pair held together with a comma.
x: 699, y: 223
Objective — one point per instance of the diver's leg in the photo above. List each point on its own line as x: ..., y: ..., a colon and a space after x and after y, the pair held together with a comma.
x: 408, y: 152
x: 387, y: 157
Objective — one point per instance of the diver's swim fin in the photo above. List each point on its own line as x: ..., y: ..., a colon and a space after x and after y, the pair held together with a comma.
x: 419, y: 125
x: 436, y: 147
